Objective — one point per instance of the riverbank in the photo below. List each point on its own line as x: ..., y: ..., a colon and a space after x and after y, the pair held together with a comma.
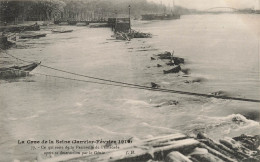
x: 19, y: 28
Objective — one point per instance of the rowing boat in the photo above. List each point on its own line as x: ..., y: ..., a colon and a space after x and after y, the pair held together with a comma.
x: 17, y: 71
x: 28, y: 68
x: 32, y: 36
x: 62, y: 31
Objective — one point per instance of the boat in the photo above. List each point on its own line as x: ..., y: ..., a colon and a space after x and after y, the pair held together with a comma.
x: 28, y: 68
x: 17, y: 71
x: 31, y: 36
x: 62, y: 31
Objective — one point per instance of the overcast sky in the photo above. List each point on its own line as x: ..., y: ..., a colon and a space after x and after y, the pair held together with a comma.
x: 205, y: 4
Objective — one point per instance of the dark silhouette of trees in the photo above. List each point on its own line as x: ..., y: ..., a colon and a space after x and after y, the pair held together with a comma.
x: 41, y: 10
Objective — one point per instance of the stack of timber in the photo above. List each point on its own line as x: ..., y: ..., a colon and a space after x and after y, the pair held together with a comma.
x: 130, y: 35
x: 178, y: 148
x: 19, y: 28
x: 137, y: 34
x: 17, y: 71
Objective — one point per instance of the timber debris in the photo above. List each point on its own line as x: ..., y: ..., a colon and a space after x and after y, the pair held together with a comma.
x: 173, y: 70
x: 169, y: 56
x: 130, y: 35
x: 137, y: 34
x: 179, y: 147
x: 173, y: 61
x: 154, y: 85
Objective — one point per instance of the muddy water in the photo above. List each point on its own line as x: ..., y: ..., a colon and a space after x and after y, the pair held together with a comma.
x: 221, y: 53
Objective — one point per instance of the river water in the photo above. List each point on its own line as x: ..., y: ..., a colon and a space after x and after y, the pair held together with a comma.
x: 220, y: 51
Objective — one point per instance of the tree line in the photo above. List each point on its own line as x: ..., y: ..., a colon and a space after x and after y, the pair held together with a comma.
x: 44, y: 10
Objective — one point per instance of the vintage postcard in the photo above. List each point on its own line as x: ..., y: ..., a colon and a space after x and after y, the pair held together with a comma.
x: 129, y: 80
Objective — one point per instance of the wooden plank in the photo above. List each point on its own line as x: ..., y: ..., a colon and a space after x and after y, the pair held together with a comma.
x: 218, y: 154
x: 176, y: 156
x: 219, y: 147
x: 206, y: 158
x: 234, y: 145
x: 166, y: 137
x: 183, y: 146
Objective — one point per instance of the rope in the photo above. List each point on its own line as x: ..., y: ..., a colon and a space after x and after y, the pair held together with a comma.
x: 124, y: 84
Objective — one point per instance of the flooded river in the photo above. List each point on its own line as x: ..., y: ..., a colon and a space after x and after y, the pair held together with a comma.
x: 220, y: 51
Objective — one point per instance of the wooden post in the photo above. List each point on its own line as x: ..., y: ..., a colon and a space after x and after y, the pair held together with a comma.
x: 129, y: 7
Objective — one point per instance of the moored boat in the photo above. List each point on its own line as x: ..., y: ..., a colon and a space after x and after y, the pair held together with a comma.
x: 31, y: 36
x: 28, y: 68
x: 17, y: 71
x: 62, y: 31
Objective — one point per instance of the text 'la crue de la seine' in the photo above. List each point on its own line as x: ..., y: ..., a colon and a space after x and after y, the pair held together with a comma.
x: 100, y: 141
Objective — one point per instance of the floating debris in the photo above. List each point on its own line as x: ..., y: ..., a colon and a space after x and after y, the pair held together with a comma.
x: 130, y: 35
x: 137, y: 34
x: 154, y: 85
x: 185, y: 71
x: 219, y: 93
x: 121, y: 36
x: 196, y: 80
x: 170, y: 63
x: 169, y: 56
x: 171, y: 102
x: 173, y: 70
x: 152, y: 58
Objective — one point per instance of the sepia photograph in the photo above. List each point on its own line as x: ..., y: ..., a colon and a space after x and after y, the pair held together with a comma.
x: 129, y: 80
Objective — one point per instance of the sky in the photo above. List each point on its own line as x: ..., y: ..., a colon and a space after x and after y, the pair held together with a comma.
x: 206, y: 4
